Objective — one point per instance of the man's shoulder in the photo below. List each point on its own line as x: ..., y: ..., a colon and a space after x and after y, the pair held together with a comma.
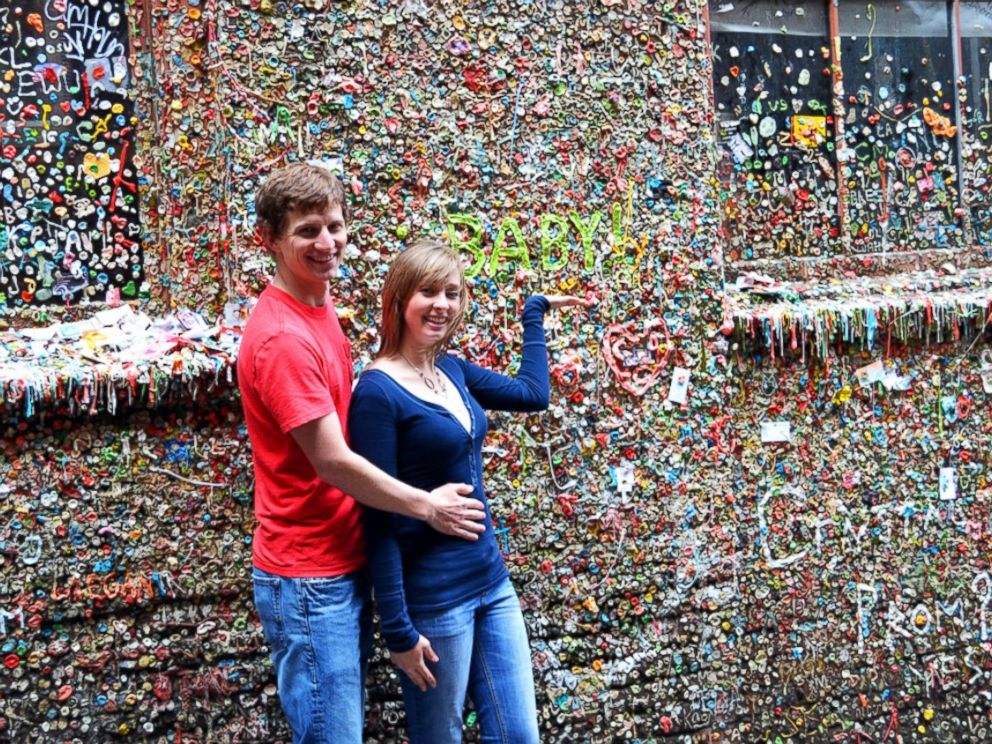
x: 274, y: 327
x: 271, y: 316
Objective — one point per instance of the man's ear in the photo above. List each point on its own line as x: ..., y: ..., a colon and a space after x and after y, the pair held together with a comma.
x: 264, y: 233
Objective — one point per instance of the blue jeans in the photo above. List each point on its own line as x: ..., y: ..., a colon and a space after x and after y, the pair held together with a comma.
x: 319, y: 631
x: 482, y: 650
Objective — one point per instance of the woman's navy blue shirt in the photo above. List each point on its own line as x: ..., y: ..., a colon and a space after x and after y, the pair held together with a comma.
x: 413, y: 567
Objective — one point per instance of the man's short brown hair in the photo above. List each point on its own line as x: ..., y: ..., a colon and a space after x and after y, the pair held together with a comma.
x: 302, y: 186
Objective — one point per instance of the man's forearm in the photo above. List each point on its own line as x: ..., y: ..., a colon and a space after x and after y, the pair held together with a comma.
x: 373, y: 487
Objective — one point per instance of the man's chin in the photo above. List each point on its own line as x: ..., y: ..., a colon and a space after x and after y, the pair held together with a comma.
x: 328, y: 272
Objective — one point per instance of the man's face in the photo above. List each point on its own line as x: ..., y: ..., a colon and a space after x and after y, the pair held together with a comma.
x: 309, y: 251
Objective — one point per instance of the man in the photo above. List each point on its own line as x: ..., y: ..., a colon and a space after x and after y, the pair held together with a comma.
x: 295, y: 375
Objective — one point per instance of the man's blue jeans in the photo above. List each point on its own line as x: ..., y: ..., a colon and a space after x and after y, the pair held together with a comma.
x: 319, y: 632
x: 482, y: 650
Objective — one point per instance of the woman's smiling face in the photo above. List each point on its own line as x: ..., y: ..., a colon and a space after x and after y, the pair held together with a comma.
x: 431, y: 310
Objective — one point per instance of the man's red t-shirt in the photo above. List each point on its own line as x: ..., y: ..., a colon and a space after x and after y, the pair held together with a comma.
x: 294, y: 366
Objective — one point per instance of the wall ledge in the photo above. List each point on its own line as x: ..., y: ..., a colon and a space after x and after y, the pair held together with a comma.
x: 118, y: 357
x: 911, y: 308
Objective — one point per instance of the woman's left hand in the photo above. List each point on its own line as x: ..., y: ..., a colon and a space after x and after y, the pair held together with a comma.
x: 414, y: 663
x: 560, y: 301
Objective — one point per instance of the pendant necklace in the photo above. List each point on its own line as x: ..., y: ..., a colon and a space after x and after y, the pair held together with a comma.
x: 437, y: 385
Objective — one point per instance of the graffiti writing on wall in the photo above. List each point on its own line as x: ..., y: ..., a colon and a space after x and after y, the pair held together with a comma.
x: 70, y: 228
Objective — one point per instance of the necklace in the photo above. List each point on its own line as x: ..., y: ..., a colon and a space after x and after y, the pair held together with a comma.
x: 436, y: 385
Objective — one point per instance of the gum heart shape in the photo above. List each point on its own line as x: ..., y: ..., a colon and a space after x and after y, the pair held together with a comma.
x: 637, y: 354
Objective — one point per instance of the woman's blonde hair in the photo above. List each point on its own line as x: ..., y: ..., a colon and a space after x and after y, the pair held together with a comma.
x: 426, y: 263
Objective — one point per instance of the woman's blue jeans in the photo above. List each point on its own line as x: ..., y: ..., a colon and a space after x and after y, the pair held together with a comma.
x: 483, y: 651
x: 319, y: 632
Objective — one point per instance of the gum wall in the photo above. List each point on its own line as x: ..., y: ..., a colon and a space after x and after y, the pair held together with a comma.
x: 748, y: 516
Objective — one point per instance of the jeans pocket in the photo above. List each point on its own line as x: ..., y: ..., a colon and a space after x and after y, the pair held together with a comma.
x: 268, y: 604
x: 334, y: 593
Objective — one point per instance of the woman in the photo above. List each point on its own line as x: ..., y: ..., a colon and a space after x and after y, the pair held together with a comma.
x: 450, y: 617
